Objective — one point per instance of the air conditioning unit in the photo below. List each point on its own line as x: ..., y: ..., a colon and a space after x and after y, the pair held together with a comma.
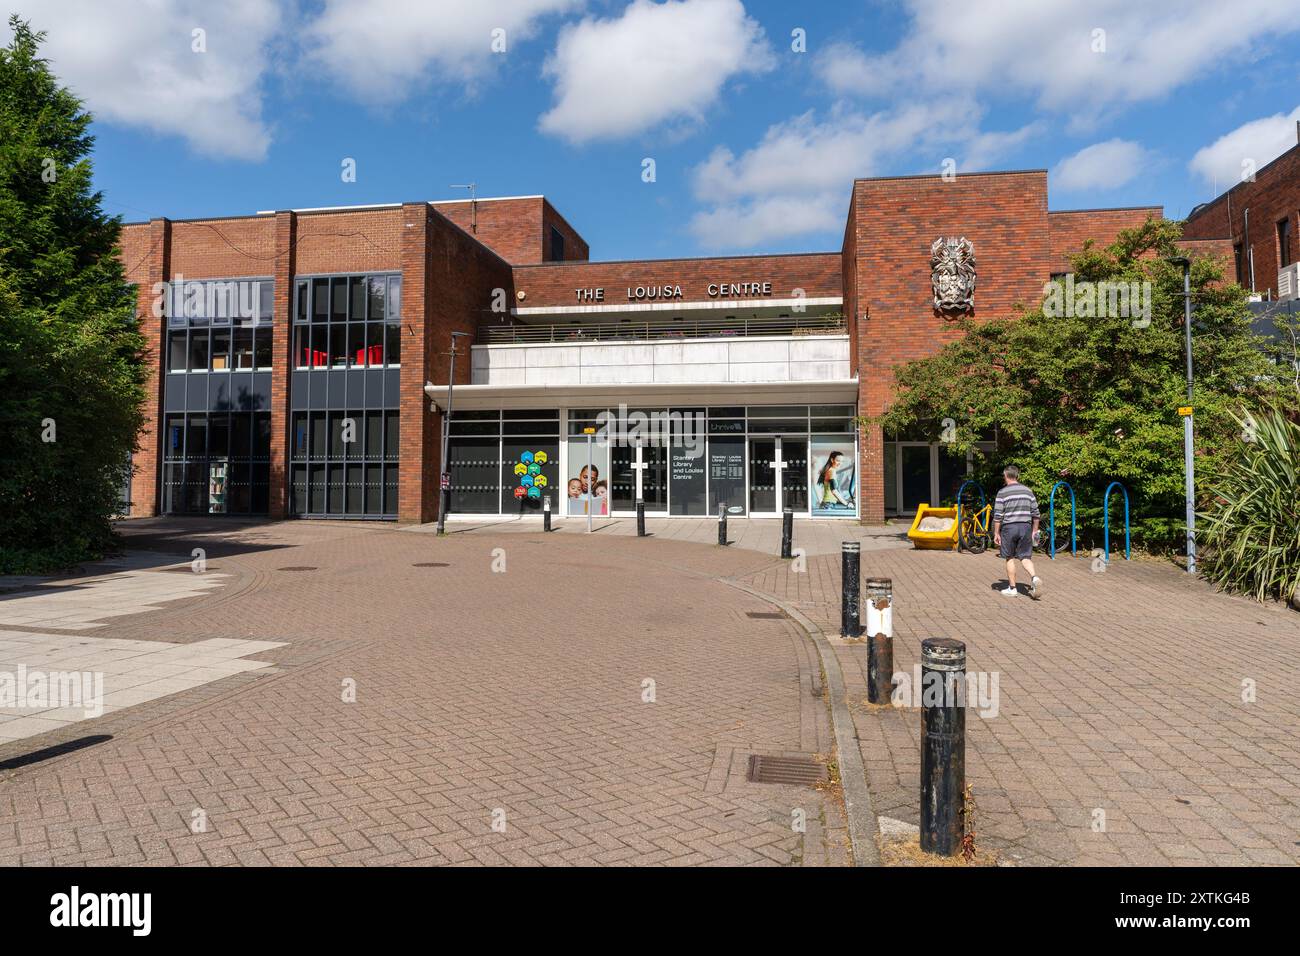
x: 1288, y: 283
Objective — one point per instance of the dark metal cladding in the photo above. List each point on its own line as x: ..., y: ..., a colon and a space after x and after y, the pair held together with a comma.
x: 943, y: 745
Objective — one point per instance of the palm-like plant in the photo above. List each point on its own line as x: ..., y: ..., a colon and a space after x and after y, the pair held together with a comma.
x: 1252, y: 527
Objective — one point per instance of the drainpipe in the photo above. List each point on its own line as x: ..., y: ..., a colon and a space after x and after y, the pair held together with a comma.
x: 1250, y: 250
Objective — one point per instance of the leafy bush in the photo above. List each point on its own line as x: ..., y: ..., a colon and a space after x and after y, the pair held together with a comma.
x: 1094, y: 398
x: 1251, y: 527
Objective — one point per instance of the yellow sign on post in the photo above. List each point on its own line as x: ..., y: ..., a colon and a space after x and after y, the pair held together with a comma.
x: 1185, y: 410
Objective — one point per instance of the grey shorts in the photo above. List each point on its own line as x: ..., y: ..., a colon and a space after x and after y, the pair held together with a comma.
x: 1017, y: 541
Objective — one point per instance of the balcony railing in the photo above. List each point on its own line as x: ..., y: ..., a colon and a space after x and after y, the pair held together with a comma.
x: 639, y: 329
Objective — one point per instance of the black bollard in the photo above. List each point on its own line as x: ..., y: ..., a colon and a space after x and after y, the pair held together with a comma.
x: 722, y: 524
x: 943, y: 745
x: 880, y: 631
x: 640, y: 519
x: 850, y: 571
x: 787, y: 533
x: 546, y: 513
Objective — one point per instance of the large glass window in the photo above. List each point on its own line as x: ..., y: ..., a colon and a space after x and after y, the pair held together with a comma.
x: 344, y: 463
x: 688, y: 461
x: 347, y: 322
x: 217, y: 463
x: 220, y: 325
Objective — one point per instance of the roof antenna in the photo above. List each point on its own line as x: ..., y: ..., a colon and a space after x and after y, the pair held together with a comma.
x: 473, y: 204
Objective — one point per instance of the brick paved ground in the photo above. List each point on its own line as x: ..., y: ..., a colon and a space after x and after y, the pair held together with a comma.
x: 477, y: 693
x: 1120, y: 692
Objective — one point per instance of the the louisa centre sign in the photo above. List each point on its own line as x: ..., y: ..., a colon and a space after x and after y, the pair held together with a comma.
x: 716, y: 290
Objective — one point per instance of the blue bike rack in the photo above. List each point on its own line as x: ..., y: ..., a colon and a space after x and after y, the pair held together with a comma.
x: 1106, y: 519
x: 983, y: 502
x: 1051, y: 519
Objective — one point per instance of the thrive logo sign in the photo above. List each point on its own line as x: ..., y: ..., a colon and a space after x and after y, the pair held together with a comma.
x: 103, y: 909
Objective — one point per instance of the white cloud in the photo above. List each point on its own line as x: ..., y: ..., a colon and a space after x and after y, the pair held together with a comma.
x: 795, y: 180
x: 1105, y: 165
x: 984, y: 150
x: 655, y: 64
x: 1047, y: 49
x: 1246, y: 148
x: 133, y: 64
x: 846, y: 69
x: 382, y: 51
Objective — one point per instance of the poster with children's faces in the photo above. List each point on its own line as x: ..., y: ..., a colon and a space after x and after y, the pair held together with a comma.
x: 834, y: 481
x: 586, y: 489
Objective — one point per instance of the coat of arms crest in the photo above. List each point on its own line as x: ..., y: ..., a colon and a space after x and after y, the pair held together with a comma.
x: 952, y: 274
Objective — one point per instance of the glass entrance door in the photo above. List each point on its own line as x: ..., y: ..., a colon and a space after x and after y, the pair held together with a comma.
x: 653, y: 475
x: 794, y: 476
x: 639, y: 472
x: 762, y: 477
x: 622, y: 477
x: 778, y: 475
x: 914, y: 468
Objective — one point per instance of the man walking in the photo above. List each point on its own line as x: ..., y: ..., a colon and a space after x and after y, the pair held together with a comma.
x: 1015, y: 526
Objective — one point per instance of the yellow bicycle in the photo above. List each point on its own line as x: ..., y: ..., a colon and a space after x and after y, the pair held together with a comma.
x: 973, y: 533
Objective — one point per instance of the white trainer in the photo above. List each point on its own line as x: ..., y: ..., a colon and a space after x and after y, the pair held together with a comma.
x: 1010, y: 592
x: 1036, y: 589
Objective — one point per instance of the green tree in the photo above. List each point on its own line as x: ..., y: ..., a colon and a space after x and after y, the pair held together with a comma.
x: 1094, y: 398
x: 71, y: 368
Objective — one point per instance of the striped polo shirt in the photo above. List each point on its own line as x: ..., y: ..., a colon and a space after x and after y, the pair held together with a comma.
x: 1015, y: 504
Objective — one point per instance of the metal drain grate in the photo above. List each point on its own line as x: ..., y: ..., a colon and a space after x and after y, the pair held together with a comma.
x: 800, y: 771
x: 297, y: 567
x: 765, y: 615
x: 431, y: 564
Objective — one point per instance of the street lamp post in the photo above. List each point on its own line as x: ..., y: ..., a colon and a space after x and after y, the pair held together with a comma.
x: 444, y: 479
x: 1189, y: 463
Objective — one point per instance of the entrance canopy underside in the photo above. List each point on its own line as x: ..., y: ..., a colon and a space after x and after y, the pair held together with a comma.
x: 840, y: 391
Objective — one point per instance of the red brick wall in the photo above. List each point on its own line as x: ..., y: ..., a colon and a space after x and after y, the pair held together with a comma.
x: 894, y: 223
x: 223, y: 248
x: 147, y: 270
x: 818, y: 274
x: 518, y: 230
x: 362, y: 241
x: 1274, y: 195
x: 418, y: 437
x: 286, y: 240
x: 134, y: 243
x: 1069, y: 229
x: 448, y: 285
x: 575, y: 247
x: 1220, y: 249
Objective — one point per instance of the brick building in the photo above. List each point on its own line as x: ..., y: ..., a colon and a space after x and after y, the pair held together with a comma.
x: 1256, y: 226
x: 301, y: 357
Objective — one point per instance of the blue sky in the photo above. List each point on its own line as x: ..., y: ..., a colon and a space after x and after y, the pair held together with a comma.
x: 754, y: 143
